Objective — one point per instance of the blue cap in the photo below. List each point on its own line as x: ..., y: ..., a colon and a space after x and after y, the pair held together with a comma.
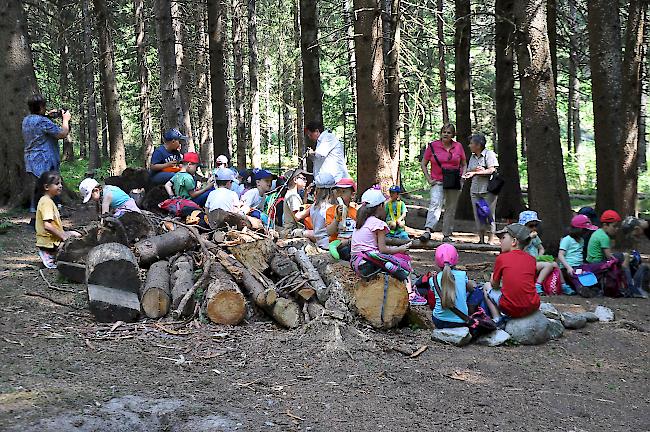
x: 174, y: 134
x: 260, y: 174
x: 395, y: 188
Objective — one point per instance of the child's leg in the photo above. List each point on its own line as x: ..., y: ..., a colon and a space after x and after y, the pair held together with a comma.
x: 543, y: 270
x: 494, y: 311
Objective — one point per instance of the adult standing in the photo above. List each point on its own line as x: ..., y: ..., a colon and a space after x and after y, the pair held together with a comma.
x: 448, y: 154
x: 482, y: 164
x: 41, y: 137
x: 166, y: 158
x: 329, y: 156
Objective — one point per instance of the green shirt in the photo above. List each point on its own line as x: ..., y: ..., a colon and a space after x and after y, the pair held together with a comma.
x: 183, y: 183
x: 599, y: 240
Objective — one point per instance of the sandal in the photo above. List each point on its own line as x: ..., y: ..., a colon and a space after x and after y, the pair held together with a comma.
x: 425, y: 236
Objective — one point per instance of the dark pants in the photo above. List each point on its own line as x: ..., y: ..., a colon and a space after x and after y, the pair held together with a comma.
x: 201, y: 199
x: 160, y: 177
x: 440, y: 324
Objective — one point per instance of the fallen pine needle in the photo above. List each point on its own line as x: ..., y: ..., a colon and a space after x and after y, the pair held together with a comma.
x: 170, y: 331
x: 293, y: 416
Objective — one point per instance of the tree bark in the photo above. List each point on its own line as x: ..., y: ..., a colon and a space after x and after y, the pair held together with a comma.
x: 628, y: 168
x: 374, y: 162
x: 164, y: 245
x: 94, y: 156
x: 155, y: 295
x: 181, y: 281
x: 224, y: 303
x: 393, y: 93
x: 17, y: 84
x: 547, y: 186
x: 204, y: 101
x: 103, y: 128
x: 182, y: 70
x: 310, y: 50
x: 442, y: 65
x: 574, y: 132
x: 253, y: 68
x: 146, y: 133
x: 551, y: 26
x: 606, y: 82
x: 217, y: 39
x: 169, y: 79
x: 64, y: 60
x: 238, y: 76
x: 510, y: 201
x: 111, y: 95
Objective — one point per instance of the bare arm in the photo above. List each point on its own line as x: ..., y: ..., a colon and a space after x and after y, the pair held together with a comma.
x: 49, y: 227
x: 385, y: 249
x: 198, y: 192
x: 425, y: 170
x: 608, y: 253
x: 106, y: 202
x: 541, y: 249
x: 561, y: 256
x: 65, y: 125
x: 169, y: 187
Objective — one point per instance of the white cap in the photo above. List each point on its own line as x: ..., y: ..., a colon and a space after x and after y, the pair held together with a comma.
x: 86, y: 188
x: 324, y: 180
x: 224, y: 174
x: 373, y: 197
x: 222, y: 159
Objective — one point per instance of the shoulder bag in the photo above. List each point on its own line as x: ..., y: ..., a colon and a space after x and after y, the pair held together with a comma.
x: 450, y: 177
x: 496, y: 182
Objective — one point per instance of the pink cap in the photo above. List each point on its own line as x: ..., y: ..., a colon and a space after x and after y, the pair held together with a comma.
x: 446, y: 254
x: 346, y: 183
x: 582, y: 221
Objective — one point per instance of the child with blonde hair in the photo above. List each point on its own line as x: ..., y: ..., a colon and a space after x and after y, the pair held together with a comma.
x: 450, y: 287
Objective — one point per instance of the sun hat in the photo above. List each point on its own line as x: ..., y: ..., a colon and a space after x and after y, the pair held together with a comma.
x: 86, y: 188
x: 373, y: 197
x: 222, y: 159
x: 610, y: 216
x: 345, y: 183
x: 174, y: 134
x: 582, y: 221
x: 324, y: 180
x: 516, y: 230
x: 528, y: 216
x: 224, y: 174
x: 446, y: 254
x: 260, y: 174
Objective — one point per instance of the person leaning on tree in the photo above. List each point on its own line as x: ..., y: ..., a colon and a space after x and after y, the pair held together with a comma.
x: 329, y: 156
x: 41, y: 137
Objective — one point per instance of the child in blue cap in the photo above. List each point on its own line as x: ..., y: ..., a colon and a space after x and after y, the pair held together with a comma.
x: 396, y: 214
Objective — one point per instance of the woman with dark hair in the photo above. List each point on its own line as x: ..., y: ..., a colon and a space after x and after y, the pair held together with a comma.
x: 482, y: 164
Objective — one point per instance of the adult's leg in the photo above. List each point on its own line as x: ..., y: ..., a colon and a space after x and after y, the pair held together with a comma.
x: 480, y: 228
x: 32, y: 180
x: 161, y: 177
x: 435, y: 207
x: 492, y: 201
x: 450, y: 203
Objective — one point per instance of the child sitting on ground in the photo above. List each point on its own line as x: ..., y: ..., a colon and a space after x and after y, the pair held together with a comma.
x: 341, y: 219
x: 632, y: 230
x: 183, y: 185
x: 571, y: 255
x: 49, y: 229
x: 112, y: 198
x: 396, y: 214
x: 254, y: 200
x: 453, y: 285
x: 370, y: 254
x: 324, y: 182
x: 223, y: 197
x: 545, y: 263
x: 511, y: 290
x: 294, y: 212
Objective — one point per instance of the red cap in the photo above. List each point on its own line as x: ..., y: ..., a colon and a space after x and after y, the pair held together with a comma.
x: 191, y: 157
x: 610, y: 216
x: 346, y: 183
x: 582, y: 221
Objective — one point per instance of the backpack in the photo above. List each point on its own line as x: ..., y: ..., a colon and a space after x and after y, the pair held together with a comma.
x: 176, y: 205
x: 552, y: 285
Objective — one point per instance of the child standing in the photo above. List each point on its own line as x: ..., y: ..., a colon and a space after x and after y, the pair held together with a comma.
x: 183, y: 185
x: 396, y: 214
x: 49, y: 229
x: 370, y: 254
x: 112, y: 198
x: 511, y: 290
x: 453, y: 285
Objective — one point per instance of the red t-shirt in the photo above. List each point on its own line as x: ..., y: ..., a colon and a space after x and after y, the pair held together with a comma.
x: 516, y: 271
x: 449, y: 159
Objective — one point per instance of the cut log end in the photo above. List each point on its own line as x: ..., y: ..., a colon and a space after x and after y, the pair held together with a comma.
x: 227, y: 307
x: 382, y: 309
x: 155, y: 302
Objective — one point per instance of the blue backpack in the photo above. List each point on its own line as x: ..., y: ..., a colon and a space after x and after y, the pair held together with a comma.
x: 483, y: 212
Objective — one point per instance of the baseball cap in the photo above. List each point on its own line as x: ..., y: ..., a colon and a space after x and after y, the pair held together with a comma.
x: 222, y: 159
x: 86, y: 188
x: 324, y: 180
x: 516, y: 230
x: 446, y: 254
x: 294, y: 172
x: 191, y: 157
x: 582, y: 221
x: 260, y: 174
x: 395, y: 188
x: 373, y: 197
x: 345, y: 183
x: 224, y: 174
x: 610, y: 216
x: 174, y: 134
x: 528, y: 216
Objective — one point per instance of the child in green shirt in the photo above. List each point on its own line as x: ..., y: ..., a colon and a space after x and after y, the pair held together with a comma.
x: 183, y: 185
x: 396, y: 214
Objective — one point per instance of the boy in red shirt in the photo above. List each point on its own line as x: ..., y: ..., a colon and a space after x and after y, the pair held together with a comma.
x: 511, y: 290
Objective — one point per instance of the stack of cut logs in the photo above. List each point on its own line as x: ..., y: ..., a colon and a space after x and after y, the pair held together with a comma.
x: 225, y: 275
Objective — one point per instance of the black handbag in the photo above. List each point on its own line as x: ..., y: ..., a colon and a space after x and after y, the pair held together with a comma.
x: 450, y: 177
x: 496, y: 183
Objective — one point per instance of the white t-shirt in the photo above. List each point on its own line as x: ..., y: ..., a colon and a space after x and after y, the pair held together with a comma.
x: 224, y: 199
x: 252, y: 199
x: 329, y: 156
x: 318, y: 215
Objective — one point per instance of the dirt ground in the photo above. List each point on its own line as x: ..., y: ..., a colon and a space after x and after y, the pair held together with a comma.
x: 61, y: 371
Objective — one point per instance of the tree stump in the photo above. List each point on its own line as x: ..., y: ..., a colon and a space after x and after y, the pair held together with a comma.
x: 382, y: 301
x: 164, y: 245
x: 181, y: 281
x: 224, y: 303
x: 113, y: 283
x: 155, y: 295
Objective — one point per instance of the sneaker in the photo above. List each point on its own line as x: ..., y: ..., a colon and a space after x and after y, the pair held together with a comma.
x: 566, y: 289
x: 640, y: 293
x: 416, y: 299
x: 540, y: 290
x: 447, y: 239
x: 48, y: 259
x: 426, y: 236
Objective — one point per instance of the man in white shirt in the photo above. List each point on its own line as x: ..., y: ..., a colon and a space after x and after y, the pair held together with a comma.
x: 329, y: 155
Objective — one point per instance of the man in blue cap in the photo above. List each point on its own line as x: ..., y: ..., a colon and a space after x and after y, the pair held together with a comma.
x: 166, y: 158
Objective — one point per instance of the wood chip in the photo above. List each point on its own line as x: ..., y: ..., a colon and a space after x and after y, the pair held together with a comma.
x: 419, y: 351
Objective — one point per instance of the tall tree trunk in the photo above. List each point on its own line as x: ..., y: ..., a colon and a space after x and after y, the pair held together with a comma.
x: 510, y: 201
x: 407, y: 128
x: 217, y: 29
x: 551, y: 26
x: 628, y: 168
x: 297, y: 86
x: 182, y: 70
x: 442, y: 66
x: 111, y: 95
x: 547, y: 187
x: 393, y: 93
x: 143, y: 76
x: 64, y: 59
x: 103, y: 128
x: 606, y: 89
x: 94, y: 156
x: 82, y: 128
x: 573, y: 131
x: 309, y: 47
x: 374, y: 161
x: 253, y: 68
x: 169, y: 80
x: 238, y: 76
x: 204, y: 109
x: 17, y: 84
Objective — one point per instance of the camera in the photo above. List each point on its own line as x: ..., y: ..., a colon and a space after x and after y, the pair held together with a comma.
x: 56, y: 114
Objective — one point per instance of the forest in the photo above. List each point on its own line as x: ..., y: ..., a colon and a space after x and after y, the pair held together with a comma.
x: 559, y: 87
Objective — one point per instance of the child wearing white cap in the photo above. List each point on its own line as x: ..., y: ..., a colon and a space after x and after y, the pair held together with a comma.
x: 112, y: 198
x: 222, y: 197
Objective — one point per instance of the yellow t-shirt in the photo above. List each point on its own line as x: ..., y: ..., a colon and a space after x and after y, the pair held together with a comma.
x: 47, y: 211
